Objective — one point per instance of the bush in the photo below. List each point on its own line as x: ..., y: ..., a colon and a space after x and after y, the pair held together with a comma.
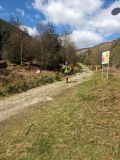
x: 76, y: 69
x: 2, y: 92
x: 46, y: 79
x: 21, y: 86
x: 14, y: 87
x: 58, y: 76
x: 11, y: 87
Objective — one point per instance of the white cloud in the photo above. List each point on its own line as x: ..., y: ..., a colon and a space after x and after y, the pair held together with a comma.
x: 91, y: 21
x: 1, y: 8
x: 85, y: 38
x: 20, y: 12
x: 31, y: 31
x: 66, y: 11
x: 105, y: 22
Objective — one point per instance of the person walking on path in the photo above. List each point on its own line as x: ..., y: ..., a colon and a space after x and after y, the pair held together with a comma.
x: 67, y: 70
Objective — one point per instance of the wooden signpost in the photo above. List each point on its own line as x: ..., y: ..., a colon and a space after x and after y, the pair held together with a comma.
x: 105, y: 62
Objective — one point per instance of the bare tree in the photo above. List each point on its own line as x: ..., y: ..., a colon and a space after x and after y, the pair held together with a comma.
x: 69, y: 49
x: 41, y: 30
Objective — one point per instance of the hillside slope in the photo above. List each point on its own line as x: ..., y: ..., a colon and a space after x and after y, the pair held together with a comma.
x: 92, y: 56
x: 9, y: 26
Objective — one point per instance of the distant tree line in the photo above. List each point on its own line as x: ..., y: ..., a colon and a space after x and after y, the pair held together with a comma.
x: 47, y: 50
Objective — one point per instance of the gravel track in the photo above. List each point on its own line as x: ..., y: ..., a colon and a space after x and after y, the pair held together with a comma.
x: 17, y: 103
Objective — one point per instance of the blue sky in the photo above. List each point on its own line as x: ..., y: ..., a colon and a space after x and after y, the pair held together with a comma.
x: 10, y: 8
x: 89, y: 21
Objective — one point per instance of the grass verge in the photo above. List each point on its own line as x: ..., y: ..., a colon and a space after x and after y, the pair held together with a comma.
x: 81, y: 124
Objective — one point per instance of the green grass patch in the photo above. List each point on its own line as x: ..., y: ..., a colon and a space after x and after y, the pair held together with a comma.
x: 83, y: 123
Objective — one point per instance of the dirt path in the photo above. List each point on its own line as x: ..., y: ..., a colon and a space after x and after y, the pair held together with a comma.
x: 17, y: 103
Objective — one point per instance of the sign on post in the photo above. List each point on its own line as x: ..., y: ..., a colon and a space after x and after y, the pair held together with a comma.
x: 105, y: 61
x: 105, y: 57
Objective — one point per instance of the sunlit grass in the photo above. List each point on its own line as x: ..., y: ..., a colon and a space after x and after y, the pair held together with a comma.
x: 82, y: 124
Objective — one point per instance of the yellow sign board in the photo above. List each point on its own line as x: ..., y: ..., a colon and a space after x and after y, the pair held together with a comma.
x: 105, y: 57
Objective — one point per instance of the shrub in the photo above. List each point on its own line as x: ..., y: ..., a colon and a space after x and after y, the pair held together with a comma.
x: 12, y: 87
x: 21, y: 86
x: 2, y: 91
x: 46, y: 79
x: 58, y: 76
x: 76, y: 69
